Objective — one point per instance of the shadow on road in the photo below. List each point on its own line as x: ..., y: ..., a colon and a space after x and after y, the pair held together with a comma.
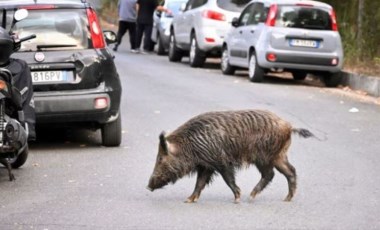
x: 72, y: 137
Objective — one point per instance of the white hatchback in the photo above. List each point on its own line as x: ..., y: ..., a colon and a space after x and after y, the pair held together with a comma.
x: 200, y: 28
x: 297, y: 36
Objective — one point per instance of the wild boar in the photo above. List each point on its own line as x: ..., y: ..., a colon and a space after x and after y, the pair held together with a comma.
x: 222, y: 142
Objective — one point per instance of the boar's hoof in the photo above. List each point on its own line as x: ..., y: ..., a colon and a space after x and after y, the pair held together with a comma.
x: 237, y: 200
x: 192, y: 200
x: 288, y: 198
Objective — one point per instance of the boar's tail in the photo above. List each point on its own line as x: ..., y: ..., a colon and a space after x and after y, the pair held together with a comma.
x: 303, y: 133
x: 163, y: 143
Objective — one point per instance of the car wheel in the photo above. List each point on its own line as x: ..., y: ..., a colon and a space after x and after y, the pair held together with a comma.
x: 255, y: 72
x: 299, y: 75
x: 175, y: 54
x: 160, y: 45
x: 111, y: 133
x: 20, y: 159
x: 225, y: 63
x: 197, y: 57
x: 332, y: 79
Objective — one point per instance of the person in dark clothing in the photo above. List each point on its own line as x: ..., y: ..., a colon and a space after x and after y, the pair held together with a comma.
x: 145, y: 10
x: 127, y: 22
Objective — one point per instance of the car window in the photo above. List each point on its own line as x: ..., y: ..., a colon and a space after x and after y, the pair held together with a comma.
x: 174, y: 7
x: 244, y: 16
x: 232, y: 5
x: 303, y: 17
x: 54, y: 27
x: 258, y: 14
x: 198, y: 3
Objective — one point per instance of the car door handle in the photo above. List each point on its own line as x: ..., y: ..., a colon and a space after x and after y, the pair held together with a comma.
x: 240, y: 32
x: 252, y: 31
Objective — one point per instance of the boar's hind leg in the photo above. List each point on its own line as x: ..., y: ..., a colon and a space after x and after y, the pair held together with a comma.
x: 267, y: 175
x: 203, y: 178
x: 228, y: 174
x: 284, y: 167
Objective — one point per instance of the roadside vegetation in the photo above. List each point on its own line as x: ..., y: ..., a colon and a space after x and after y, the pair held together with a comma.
x: 358, y: 23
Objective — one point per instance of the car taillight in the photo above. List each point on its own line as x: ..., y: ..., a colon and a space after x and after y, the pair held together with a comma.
x: 271, y: 19
x: 214, y: 15
x: 271, y: 57
x: 96, y: 32
x: 334, y: 24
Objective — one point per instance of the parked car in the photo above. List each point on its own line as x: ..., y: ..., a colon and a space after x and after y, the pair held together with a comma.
x: 162, y: 22
x: 75, y: 80
x: 292, y: 35
x: 200, y: 29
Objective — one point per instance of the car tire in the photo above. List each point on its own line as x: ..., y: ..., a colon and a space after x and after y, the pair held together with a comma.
x: 160, y: 46
x: 21, y: 158
x: 332, y: 79
x: 197, y: 57
x: 225, y: 66
x: 175, y: 54
x: 255, y: 72
x: 111, y: 133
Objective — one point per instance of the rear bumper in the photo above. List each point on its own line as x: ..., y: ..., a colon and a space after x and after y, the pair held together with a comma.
x: 72, y: 108
x: 310, y: 62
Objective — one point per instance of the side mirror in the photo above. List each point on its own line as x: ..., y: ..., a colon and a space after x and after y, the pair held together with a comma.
x: 20, y: 14
x: 158, y: 13
x: 235, y: 22
x: 110, y: 36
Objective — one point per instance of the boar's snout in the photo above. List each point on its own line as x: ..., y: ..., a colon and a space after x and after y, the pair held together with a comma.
x: 156, y: 182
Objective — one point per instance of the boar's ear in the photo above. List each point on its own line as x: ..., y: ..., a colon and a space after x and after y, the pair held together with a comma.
x: 163, y: 143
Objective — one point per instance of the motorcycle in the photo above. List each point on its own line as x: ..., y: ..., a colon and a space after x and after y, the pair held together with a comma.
x: 13, y: 128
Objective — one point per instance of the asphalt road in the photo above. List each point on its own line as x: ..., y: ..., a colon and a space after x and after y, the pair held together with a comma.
x: 71, y: 182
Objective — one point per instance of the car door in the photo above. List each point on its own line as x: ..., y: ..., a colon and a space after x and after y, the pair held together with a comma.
x: 237, y: 49
x: 252, y: 30
x: 188, y: 21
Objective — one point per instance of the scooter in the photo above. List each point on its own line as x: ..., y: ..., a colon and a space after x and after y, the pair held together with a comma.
x: 13, y: 128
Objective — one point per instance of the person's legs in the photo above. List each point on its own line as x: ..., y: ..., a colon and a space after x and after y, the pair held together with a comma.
x: 139, y: 35
x: 147, y: 37
x: 120, y: 33
x: 132, y: 35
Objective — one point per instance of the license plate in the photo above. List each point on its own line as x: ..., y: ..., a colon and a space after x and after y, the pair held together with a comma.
x: 40, y: 77
x: 304, y: 43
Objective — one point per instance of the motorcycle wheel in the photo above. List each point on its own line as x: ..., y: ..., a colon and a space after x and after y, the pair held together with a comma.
x: 21, y: 159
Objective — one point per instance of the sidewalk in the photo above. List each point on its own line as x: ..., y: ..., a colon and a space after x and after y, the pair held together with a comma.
x: 368, y: 84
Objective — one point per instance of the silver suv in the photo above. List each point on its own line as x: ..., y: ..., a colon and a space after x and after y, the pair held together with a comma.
x: 200, y: 28
x: 300, y: 37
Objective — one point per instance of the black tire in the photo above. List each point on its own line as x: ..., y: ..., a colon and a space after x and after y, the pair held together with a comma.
x: 21, y: 159
x: 332, y: 79
x: 175, y: 54
x: 225, y: 66
x: 255, y: 72
x: 299, y: 75
x: 160, y: 46
x: 111, y: 133
x: 197, y: 57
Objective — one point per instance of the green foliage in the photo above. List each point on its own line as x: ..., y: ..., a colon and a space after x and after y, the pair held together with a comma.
x: 348, y: 14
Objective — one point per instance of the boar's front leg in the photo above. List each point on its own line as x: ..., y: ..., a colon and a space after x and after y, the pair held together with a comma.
x: 228, y: 174
x: 203, y: 178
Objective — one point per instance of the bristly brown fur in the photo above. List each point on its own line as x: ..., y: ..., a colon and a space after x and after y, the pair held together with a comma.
x: 222, y: 142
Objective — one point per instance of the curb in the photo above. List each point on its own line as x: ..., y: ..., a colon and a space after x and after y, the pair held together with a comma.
x: 369, y: 84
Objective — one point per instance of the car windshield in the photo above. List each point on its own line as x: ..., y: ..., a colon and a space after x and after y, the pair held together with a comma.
x: 232, y: 5
x: 55, y: 29
x: 303, y: 17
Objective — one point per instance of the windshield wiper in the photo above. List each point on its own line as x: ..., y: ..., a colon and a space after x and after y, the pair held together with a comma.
x: 39, y: 47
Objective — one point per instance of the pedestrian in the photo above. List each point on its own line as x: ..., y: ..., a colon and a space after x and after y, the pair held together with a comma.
x: 145, y: 10
x: 127, y: 22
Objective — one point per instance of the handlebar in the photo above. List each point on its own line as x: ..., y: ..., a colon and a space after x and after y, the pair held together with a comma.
x: 27, y: 38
